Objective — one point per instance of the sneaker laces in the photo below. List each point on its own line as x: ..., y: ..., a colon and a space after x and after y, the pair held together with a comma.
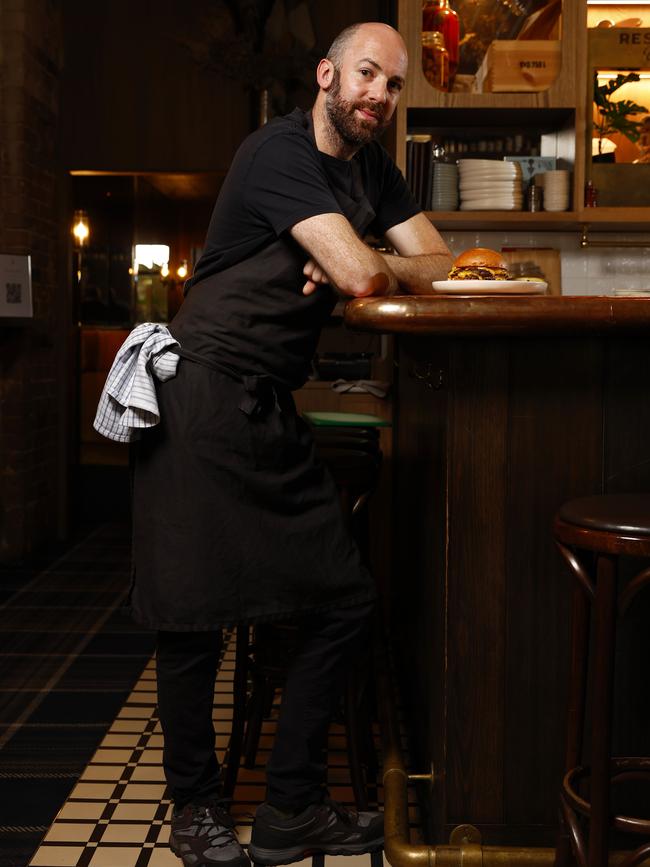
x: 344, y: 813
x: 218, y: 810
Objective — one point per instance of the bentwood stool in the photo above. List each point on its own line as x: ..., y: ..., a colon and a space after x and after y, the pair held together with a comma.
x: 349, y: 445
x: 592, y: 534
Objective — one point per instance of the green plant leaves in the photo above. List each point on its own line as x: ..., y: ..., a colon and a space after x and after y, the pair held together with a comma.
x: 614, y: 115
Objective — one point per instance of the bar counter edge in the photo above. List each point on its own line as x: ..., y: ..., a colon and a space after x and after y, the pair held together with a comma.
x: 504, y: 408
x: 431, y: 314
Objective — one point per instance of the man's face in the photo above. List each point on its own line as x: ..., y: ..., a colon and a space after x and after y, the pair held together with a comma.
x: 365, y: 89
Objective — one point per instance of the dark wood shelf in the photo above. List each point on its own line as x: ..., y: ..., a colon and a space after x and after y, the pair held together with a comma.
x: 635, y: 219
x: 613, y: 219
x: 549, y: 221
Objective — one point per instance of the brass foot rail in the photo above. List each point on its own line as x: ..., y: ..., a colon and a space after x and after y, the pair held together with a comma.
x: 398, y: 848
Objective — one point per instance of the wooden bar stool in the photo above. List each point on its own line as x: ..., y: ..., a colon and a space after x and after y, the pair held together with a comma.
x: 591, y: 534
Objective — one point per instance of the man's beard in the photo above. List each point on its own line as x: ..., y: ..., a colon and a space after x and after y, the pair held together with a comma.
x: 352, y: 130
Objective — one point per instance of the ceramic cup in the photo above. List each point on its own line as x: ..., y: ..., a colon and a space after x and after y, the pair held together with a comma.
x: 556, y: 189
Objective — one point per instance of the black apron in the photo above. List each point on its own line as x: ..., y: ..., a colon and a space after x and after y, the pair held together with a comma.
x: 235, y: 518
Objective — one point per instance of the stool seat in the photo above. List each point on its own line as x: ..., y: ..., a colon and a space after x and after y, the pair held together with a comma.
x: 612, y: 513
x: 604, y: 528
x: 322, y: 418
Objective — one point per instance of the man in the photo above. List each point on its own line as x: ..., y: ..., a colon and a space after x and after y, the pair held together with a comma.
x: 236, y: 521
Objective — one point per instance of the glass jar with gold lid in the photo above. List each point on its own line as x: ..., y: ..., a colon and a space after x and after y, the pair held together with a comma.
x: 435, y: 59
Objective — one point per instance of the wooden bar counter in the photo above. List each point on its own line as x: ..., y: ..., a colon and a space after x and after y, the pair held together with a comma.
x: 505, y: 408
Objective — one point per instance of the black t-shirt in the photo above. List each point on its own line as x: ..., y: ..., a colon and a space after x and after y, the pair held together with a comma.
x: 245, y: 308
x: 278, y: 178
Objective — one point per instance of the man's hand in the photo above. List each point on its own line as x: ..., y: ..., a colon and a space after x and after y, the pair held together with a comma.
x: 422, y: 254
x: 315, y: 275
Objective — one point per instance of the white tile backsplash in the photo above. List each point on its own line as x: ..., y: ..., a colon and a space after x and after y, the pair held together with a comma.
x: 588, y: 271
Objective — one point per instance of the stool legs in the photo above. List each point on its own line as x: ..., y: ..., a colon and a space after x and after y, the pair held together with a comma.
x: 601, y: 681
x: 580, y: 616
x: 592, y: 534
x: 239, y: 711
x: 602, y: 684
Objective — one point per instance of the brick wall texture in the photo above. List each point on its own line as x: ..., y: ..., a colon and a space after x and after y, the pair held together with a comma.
x: 31, y: 415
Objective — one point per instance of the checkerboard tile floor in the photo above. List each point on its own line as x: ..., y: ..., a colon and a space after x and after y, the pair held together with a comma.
x: 118, y: 814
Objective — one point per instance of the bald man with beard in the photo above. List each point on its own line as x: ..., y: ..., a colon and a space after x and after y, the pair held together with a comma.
x: 236, y: 521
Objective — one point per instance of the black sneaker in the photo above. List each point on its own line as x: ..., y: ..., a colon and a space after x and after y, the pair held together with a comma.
x: 204, y: 835
x: 328, y: 828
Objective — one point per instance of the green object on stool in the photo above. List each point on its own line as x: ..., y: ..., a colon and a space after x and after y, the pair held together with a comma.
x: 346, y: 419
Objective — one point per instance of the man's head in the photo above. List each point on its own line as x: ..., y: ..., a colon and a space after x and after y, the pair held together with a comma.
x: 360, y: 82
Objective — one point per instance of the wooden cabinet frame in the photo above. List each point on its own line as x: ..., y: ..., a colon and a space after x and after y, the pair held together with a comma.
x: 569, y: 91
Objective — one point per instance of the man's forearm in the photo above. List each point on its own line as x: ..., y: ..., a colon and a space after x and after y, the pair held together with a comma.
x: 381, y: 281
x: 415, y: 273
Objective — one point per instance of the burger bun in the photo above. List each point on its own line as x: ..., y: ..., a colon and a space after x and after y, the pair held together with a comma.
x: 479, y: 263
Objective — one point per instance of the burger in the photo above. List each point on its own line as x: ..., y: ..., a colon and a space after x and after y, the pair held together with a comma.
x: 479, y: 263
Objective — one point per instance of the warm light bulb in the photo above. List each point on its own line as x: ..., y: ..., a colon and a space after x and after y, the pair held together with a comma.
x: 80, y: 228
x: 182, y: 269
x: 164, y: 270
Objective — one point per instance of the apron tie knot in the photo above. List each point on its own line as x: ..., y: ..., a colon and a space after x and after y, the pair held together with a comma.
x: 259, y: 395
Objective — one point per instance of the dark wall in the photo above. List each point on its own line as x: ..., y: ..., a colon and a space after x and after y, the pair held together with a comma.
x: 134, y: 97
x: 33, y: 413
x: 106, y: 86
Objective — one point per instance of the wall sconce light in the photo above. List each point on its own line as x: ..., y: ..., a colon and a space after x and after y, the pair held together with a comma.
x: 80, y: 228
x: 182, y: 269
x: 164, y: 269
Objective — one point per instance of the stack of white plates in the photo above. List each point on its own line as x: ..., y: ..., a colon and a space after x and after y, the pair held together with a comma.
x: 444, y: 187
x: 490, y: 185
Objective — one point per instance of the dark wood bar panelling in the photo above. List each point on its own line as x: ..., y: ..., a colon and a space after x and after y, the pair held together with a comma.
x: 477, y: 437
x: 493, y: 433
x: 627, y: 467
x: 555, y: 452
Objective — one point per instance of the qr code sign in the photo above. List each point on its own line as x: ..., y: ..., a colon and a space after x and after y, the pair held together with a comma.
x: 14, y: 293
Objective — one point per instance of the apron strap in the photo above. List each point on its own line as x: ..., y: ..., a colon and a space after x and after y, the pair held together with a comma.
x: 258, y: 388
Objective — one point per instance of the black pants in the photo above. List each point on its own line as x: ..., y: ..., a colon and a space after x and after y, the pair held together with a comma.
x: 296, y: 771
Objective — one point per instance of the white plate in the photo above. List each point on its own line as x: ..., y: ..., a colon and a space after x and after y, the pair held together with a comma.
x: 489, y: 164
x: 491, y: 197
x: 491, y: 204
x: 489, y: 287
x: 484, y: 174
x: 503, y: 184
x: 511, y: 195
x: 499, y: 170
x: 484, y: 206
